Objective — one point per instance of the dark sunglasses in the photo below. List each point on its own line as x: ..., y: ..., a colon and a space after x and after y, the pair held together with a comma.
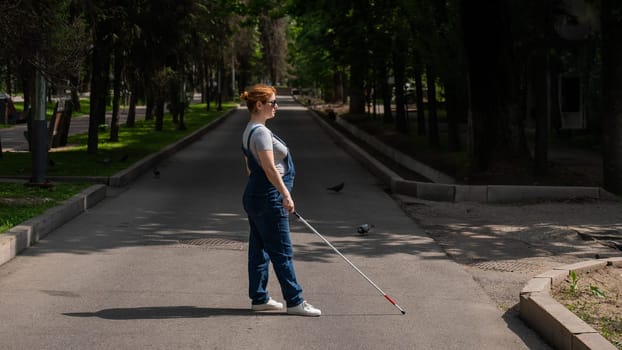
x: 273, y: 102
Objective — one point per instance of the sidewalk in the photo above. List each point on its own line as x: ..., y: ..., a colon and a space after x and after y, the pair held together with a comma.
x: 162, y: 264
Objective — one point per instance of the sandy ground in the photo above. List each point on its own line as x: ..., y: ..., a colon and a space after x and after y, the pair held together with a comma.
x: 503, y: 246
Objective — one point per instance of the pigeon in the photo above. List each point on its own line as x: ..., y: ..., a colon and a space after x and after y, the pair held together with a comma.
x: 124, y: 158
x: 364, y: 229
x: 156, y: 173
x: 336, y: 188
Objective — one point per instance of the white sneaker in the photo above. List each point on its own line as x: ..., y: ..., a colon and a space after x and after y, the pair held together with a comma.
x: 270, y: 305
x: 304, y: 309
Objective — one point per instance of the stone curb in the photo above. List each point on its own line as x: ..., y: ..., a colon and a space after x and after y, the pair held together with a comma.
x: 397, y: 156
x: 554, y: 322
x: 29, y: 232
x: 443, y: 187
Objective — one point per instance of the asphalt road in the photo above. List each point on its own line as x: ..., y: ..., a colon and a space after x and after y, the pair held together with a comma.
x: 161, y: 264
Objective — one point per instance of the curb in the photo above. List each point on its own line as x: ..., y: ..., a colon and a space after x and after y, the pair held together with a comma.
x: 443, y: 188
x: 24, y: 235
x: 553, y: 321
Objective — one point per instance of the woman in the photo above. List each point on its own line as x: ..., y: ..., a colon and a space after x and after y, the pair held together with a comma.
x: 268, y: 202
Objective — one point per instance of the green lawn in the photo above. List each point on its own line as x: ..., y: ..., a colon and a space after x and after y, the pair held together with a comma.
x: 134, y: 144
x: 19, y: 203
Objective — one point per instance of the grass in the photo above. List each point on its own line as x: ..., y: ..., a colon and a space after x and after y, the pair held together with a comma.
x: 134, y: 144
x: 19, y: 203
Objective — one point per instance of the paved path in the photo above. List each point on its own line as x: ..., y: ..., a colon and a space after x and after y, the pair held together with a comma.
x: 125, y: 276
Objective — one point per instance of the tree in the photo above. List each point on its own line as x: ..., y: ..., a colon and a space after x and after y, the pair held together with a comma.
x: 274, y: 46
x: 496, y: 130
x: 611, y: 13
x: 48, y: 43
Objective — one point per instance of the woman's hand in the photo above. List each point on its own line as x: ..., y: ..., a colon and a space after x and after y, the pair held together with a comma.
x: 288, y: 204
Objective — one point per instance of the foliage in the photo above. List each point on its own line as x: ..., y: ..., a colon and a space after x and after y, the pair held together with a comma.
x: 574, y: 282
x: 44, y: 35
x: 594, y: 290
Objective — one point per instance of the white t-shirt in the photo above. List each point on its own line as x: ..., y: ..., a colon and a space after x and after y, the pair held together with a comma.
x: 262, y: 140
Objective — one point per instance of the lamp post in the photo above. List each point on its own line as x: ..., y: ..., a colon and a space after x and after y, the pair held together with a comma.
x: 39, y: 147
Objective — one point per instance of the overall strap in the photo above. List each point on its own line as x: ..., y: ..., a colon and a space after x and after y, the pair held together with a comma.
x: 280, y: 140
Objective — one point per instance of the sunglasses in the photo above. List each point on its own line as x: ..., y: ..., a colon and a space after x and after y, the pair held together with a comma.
x: 273, y: 102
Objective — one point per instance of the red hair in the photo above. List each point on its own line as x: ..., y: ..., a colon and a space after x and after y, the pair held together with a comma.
x: 259, y: 92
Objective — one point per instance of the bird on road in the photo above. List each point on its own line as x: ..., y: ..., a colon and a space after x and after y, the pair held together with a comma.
x: 363, y: 230
x: 156, y: 173
x: 336, y: 188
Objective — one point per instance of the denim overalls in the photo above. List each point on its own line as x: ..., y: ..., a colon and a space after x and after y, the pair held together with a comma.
x: 269, y: 238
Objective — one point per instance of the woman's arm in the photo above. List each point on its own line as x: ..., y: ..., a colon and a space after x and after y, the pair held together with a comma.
x: 267, y: 164
x: 248, y: 170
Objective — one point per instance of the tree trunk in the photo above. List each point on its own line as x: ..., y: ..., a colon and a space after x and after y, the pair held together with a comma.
x: 498, y: 135
x: 9, y: 77
x: 357, y: 81
x: 358, y: 61
x: 75, y: 97
x: 385, y: 93
x: 433, y: 136
x: 202, y: 81
x: 99, y: 90
x: 208, y: 96
x: 421, y: 128
x: 149, y: 101
x: 399, y: 67
x: 159, y: 113
x: 540, y: 92
x: 130, y: 122
x: 219, y: 102
x: 612, y: 89
x: 116, y: 95
x: 454, y: 108
x: 182, y: 114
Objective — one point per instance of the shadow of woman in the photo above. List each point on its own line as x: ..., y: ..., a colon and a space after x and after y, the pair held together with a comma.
x: 164, y: 312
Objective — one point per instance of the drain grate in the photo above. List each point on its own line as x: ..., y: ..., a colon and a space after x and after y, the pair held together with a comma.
x: 506, y: 266
x: 221, y: 243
